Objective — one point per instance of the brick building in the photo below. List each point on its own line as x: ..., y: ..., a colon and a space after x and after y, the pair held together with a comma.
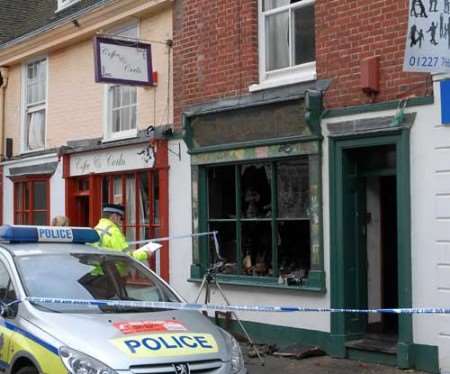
x: 323, y: 167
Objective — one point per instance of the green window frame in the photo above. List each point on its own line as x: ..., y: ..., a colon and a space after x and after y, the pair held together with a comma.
x: 284, y: 153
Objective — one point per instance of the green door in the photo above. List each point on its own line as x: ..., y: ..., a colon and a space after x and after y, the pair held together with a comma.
x: 354, y: 245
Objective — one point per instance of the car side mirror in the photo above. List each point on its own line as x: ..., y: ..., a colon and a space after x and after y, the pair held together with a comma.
x: 7, y: 310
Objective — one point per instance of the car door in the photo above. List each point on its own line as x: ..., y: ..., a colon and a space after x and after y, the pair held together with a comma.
x: 7, y: 295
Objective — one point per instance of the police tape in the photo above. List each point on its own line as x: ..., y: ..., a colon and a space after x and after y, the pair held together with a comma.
x: 229, y: 308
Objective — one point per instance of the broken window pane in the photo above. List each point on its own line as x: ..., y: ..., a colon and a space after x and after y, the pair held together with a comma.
x: 222, y: 196
x: 256, y: 191
x: 257, y: 248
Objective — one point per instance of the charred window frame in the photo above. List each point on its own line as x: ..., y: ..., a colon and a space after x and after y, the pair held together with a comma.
x: 268, y: 215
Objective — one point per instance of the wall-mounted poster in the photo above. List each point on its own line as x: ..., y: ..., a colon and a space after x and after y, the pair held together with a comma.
x: 428, y: 37
x: 123, y: 62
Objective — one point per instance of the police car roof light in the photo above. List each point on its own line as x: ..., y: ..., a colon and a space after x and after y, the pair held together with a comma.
x: 54, y: 234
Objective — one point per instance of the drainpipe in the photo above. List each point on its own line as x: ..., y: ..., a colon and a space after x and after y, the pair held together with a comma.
x: 3, y: 84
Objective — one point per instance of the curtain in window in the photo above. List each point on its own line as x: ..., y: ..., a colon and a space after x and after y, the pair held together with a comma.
x: 131, y: 207
x: 277, y: 41
x: 36, y: 130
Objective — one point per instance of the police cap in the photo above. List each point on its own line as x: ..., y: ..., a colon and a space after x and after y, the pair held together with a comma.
x: 114, y: 208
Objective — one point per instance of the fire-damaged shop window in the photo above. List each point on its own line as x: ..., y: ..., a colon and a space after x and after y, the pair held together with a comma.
x: 31, y: 201
x: 262, y: 213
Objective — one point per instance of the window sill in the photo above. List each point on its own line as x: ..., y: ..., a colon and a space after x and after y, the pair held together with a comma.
x: 304, y: 74
x: 314, y: 283
x: 62, y: 7
x: 120, y: 136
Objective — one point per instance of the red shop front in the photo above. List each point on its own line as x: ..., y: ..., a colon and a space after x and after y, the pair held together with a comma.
x: 135, y: 176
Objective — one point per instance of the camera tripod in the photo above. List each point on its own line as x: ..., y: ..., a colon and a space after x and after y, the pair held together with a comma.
x: 209, y: 279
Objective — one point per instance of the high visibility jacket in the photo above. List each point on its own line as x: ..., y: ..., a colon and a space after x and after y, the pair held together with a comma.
x: 111, y: 237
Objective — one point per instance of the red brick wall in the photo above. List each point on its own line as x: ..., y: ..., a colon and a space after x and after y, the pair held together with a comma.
x: 350, y: 30
x: 216, y: 50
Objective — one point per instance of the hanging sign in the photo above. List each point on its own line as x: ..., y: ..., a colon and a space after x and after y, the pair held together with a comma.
x: 428, y: 40
x: 123, y: 62
x: 113, y: 160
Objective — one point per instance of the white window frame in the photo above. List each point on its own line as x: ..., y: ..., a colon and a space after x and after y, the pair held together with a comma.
x: 63, y: 4
x: 34, y: 108
x: 108, y: 134
x: 290, y: 75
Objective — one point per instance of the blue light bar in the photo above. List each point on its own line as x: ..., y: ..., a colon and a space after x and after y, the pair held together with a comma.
x: 53, y: 234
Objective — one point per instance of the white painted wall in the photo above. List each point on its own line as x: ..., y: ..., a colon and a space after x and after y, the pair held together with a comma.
x: 180, y: 209
x: 57, y: 187
x: 430, y: 222
x: 430, y: 175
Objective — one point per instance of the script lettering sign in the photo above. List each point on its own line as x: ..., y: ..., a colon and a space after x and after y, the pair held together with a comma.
x: 123, y: 62
x: 112, y: 160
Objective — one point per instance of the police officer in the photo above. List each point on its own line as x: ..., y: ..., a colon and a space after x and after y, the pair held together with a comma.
x: 111, y: 237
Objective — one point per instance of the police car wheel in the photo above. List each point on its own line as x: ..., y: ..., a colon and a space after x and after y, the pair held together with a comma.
x: 28, y: 370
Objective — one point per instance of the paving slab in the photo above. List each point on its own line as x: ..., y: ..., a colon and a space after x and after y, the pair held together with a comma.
x: 318, y: 365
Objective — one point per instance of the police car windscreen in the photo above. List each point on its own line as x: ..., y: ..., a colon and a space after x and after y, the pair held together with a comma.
x: 90, y: 277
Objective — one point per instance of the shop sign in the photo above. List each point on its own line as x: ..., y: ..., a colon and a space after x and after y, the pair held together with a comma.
x: 445, y: 102
x: 123, y: 62
x: 112, y: 160
x: 428, y: 36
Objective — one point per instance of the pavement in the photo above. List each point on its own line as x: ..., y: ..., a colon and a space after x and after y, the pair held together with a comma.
x: 317, y: 365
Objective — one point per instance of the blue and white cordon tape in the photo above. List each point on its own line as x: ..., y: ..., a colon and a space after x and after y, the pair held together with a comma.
x: 230, y: 308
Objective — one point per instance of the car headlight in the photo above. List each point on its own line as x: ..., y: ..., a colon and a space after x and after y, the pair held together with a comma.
x: 237, y: 360
x: 79, y: 363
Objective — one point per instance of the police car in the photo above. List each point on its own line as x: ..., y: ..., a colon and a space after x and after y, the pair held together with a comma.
x: 96, y: 338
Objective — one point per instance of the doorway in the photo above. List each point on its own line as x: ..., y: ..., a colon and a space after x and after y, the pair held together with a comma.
x: 370, y: 245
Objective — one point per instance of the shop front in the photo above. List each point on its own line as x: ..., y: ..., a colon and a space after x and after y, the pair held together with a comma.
x: 256, y: 166
x: 134, y: 175
x: 33, y: 189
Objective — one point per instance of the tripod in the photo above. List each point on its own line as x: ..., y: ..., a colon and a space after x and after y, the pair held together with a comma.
x: 210, y: 278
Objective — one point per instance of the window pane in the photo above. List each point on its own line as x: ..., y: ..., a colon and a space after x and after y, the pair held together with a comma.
x: 271, y: 4
x: 131, y: 200
x: 155, y: 198
x: 36, y: 82
x: 19, y: 220
x: 36, y: 129
x: 133, y: 117
x: 256, y: 247
x: 222, y: 192
x: 256, y: 191
x: 19, y: 196
x: 27, y: 195
x: 117, y: 190
x: 40, y: 195
x: 105, y: 190
x: 116, y: 120
x: 293, y: 189
x: 227, y: 245
x: 294, y: 249
x: 39, y: 218
x: 144, y: 208
x: 115, y: 96
x: 277, y: 41
x: 304, y: 37
x: 124, y: 119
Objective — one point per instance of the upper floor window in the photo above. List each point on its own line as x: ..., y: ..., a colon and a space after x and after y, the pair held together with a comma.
x: 65, y: 3
x: 287, y: 40
x: 121, y: 101
x: 35, y: 105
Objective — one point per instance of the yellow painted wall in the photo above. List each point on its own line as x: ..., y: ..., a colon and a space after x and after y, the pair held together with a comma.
x: 76, y: 102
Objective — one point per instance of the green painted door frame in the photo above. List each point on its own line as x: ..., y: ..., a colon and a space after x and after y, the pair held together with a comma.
x: 340, y: 331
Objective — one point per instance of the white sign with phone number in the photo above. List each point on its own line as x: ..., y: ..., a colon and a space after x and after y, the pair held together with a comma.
x: 428, y: 37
